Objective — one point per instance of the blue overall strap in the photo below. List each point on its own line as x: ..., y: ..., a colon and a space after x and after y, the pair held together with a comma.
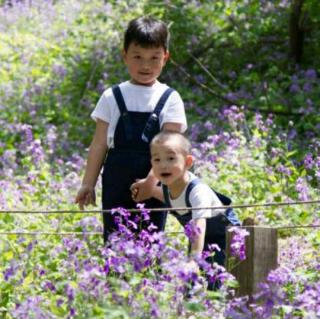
x: 182, y: 219
x: 165, y: 192
x: 190, y: 186
x: 162, y: 101
x: 123, y: 111
x: 226, y: 201
x: 153, y: 120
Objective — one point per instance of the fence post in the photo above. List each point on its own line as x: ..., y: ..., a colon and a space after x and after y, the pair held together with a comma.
x: 261, y: 258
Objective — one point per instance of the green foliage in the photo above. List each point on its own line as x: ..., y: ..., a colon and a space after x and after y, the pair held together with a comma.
x: 56, y: 60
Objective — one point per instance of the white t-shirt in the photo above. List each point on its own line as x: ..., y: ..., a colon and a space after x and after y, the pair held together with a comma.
x: 200, y: 196
x: 139, y: 98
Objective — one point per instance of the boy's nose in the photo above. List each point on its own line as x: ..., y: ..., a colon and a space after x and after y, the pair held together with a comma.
x: 162, y: 164
x: 145, y: 64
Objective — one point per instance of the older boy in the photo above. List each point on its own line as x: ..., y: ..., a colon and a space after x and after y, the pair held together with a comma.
x: 127, y: 116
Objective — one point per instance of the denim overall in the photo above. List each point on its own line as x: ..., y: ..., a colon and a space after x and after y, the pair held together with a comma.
x: 216, y: 226
x: 130, y: 160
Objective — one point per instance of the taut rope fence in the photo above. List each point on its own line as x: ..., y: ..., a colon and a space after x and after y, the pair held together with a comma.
x: 136, y: 210
x: 308, y: 202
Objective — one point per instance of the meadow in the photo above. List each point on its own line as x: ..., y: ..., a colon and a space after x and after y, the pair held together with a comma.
x: 252, y: 103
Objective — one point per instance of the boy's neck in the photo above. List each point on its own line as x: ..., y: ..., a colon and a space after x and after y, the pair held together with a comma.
x: 179, y: 185
x: 132, y: 81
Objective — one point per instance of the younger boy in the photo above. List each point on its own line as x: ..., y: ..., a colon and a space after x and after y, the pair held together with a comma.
x: 171, y: 160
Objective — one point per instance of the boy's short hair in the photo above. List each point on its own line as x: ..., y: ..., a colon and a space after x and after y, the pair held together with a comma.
x: 163, y: 136
x: 146, y: 32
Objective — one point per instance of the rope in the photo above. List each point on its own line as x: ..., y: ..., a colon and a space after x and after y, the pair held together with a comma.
x: 297, y: 226
x: 158, y: 209
x: 20, y: 233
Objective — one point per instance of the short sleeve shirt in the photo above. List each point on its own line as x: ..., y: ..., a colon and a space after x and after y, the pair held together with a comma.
x: 200, y: 196
x: 139, y: 98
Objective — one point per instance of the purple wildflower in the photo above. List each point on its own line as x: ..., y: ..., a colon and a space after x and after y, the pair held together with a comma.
x: 302, y: 189
x: 308, y: 161
x: 310, y: 74
x: 237, y: 246
x: 144, y: 212
x: 191, y: 231
x: 294, y: 88
x: 70, y: 292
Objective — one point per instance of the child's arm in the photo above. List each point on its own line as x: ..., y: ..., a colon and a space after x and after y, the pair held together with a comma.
x: 96, y: 156
x: 155, y: 191
x: 198, y: 242
x: 142, y: 188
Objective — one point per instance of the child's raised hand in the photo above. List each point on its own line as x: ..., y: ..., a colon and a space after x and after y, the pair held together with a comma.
x: 86, y: 196
x: 141, y: 190
x: 134, y: 192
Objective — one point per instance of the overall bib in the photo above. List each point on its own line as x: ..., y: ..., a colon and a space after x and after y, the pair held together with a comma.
x: 130, y: 160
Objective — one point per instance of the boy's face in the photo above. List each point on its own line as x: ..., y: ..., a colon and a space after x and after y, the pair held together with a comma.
x: 169, y: 162
x: 145, y: 64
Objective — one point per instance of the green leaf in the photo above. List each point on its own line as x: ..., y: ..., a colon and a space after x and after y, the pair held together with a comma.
x: 194, y: 306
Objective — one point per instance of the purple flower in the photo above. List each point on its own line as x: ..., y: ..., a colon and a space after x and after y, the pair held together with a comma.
x: 308, y: 161
x: 72, y: 312
x: 42, y: 272
x: 237, y: 246
x: 121, y: 211
x: 118, y: 264
x: 307, y: 87
x: 237, y: 308
x: 309, y: 300
x: 191, y: 230
x: 59, y: 70
x: 310, y: 74
x: 281, y: 276
x: 59, y: 302
x: 48, y: 285
x: 9, y: 272
x: 302, y: 189
x: 284, y: 170
x: 70, y: 292
x: 144, y: 212
x: 294, y: 88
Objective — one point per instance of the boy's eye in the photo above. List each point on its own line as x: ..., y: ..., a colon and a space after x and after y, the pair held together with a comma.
x: 155, y: 58
x: 156, y: 159
x: 136, y: 57
x: 172, y: 158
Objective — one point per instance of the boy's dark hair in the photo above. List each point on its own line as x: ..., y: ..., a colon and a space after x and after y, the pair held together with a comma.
x: 146, y: 32
x: 182, y: 141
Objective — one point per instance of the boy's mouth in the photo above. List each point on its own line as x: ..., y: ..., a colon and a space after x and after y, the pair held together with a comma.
x: 145, y: 73
x: 165, y: 175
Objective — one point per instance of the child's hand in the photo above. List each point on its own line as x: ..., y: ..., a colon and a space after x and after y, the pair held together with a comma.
x: 141, y: 190
x: 134, y: 193
x: 86, y: 196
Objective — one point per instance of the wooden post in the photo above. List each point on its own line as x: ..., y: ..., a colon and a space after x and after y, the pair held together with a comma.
x: 261, y: 258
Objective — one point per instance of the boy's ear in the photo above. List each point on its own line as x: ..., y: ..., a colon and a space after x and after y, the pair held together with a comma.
x: 189, y: 161
x: 166, y: 56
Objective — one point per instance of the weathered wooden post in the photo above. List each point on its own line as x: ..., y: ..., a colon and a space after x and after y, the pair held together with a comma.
x: 261, y: 258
